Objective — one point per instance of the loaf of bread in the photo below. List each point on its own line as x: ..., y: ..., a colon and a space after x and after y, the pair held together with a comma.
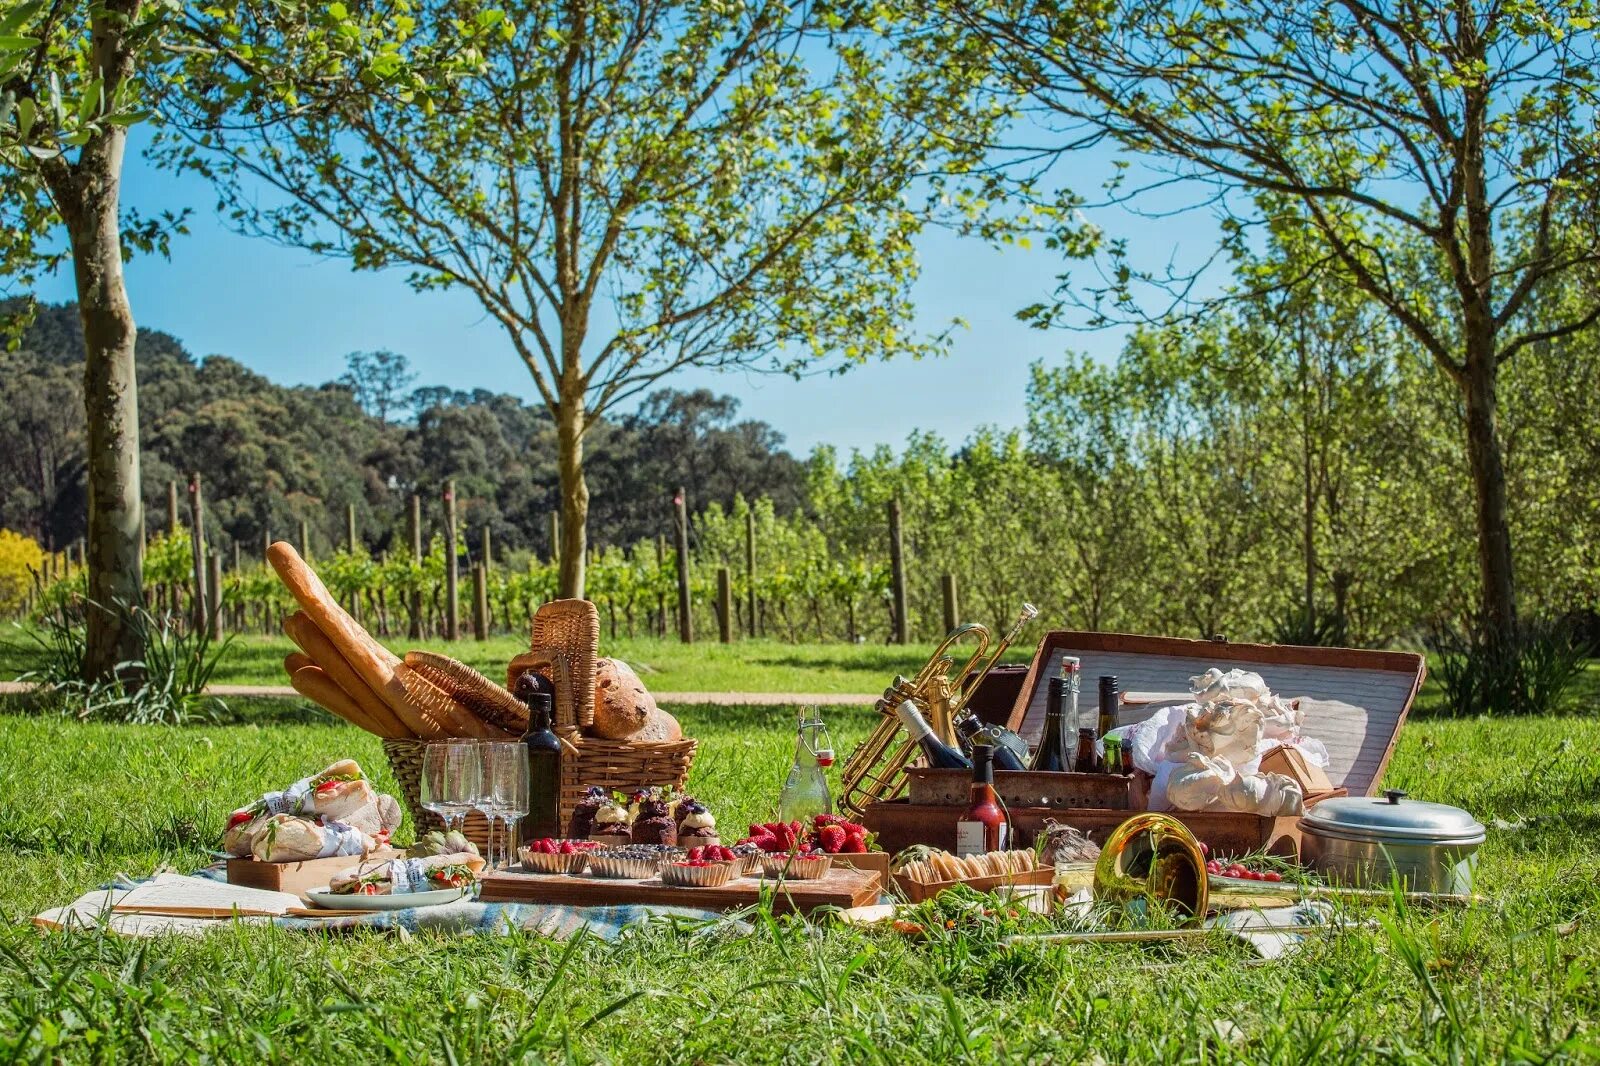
x: 622, y: 705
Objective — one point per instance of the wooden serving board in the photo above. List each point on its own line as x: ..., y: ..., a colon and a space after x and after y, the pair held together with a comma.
x: 296, y: 877
x: 841, y: 888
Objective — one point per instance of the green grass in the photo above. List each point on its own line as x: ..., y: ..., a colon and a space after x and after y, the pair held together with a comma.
x: 664, y: 665
x: 1516, y: 980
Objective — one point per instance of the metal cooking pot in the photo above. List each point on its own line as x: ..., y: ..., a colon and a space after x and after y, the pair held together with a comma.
x: 1368, y: 840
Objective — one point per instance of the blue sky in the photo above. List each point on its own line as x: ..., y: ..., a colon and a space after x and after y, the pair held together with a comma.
x: 292, y: 316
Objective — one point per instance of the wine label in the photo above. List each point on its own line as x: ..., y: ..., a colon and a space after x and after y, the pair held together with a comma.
x: 969, y: 838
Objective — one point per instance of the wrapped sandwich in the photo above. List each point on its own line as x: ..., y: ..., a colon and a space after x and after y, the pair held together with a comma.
x: 400, y: 876
x: 339, y: 794
x: 286, y: 838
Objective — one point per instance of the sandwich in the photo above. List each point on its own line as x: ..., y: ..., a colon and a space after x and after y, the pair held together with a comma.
x: 286, y: 838
x: 400, y: 876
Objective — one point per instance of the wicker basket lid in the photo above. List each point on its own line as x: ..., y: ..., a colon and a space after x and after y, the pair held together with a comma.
x: 565, y: 645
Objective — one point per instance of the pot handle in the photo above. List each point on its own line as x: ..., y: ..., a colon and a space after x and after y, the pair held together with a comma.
x: 1395, y: 795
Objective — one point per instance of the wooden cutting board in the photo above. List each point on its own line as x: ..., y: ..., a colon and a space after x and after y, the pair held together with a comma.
x: 841, y: 888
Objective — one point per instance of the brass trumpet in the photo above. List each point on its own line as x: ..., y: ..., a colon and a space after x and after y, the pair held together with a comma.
x: 876, y: 770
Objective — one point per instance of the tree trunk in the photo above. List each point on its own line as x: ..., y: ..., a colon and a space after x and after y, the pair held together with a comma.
x: 111, y: 413
x: 1495, y: 570
x: 574, y: 495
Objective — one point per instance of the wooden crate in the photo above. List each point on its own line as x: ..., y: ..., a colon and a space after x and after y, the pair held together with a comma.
x: 297, y: 877
x: 1354, y: 700
x: 900, y: 824
x: 874, y: 861
x: 1023, y: 788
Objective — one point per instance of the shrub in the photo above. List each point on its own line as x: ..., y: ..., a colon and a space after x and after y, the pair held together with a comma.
x: 20, y: 558
x: 1531, y: 674
x: 166, y: 686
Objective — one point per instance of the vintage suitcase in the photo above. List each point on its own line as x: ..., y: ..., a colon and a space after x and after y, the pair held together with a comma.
x: 1354, y: 702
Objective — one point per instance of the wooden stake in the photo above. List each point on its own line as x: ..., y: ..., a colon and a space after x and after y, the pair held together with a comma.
x: 897, y: 564
x: 681, y: 530
x: 750, y: 571
x: 414, y: 532
x: 172, y: 507
x: 480, y: 601
x: 214, y: 598
x: 452, y: 605
x: 350, y: 527
x: 305, y: 540
x: 952, y: 609
x: 725, y: 604
x: 488, y: 559
x: 197, y: 536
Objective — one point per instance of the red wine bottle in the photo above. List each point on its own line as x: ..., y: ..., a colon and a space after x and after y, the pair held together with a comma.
x: 544, y: 767
x: 983, y: 827
x: 1053, y: 754
x: 939, y: 754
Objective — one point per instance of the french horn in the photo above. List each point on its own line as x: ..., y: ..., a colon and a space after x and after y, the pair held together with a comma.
x: 1152, y: 861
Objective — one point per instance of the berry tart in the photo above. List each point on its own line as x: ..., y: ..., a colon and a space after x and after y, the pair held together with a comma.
x: 802, y: 865
x: 547, y: 856
x: 630, y: 860
x: 697, y: 873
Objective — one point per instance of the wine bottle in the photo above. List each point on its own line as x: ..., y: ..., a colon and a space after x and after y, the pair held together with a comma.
x: 1111, y: 762
x: 1127, y: 756
x: 983, y: 827
x: 1006, y: 744
x: 544, y: 766
x: 1052, y: 754
x: 938, y: 754
x: 1108, y: 704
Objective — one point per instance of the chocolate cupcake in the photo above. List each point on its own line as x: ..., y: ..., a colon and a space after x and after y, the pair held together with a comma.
x: 582, y: 822
x: 654, y: 824
x: 696, y: 825
x: 611, y: 824
x: 682, y: 807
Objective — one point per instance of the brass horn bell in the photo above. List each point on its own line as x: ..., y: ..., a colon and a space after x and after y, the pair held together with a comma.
x: 1149, y: 861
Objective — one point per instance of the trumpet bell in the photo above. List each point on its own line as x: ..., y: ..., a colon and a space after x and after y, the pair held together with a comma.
x: 1150, y: 861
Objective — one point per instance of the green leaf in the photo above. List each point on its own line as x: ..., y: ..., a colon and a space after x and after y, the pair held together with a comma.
x: 89, y: 104
x: 18, y: 44
x: 20, y: 14
x: 26, y: 110
x: 338, y: 11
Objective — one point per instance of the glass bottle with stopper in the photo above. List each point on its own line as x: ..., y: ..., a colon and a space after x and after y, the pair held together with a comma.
x: 805, y: 791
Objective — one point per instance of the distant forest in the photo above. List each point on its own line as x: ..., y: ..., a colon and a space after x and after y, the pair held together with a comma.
x: 271, y: 455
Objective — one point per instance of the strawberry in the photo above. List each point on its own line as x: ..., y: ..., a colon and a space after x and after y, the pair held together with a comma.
x: 854, y: 845
x: 567, y: 848
x: 852, y: 827
x: 797, y: 827
x: 696, y: 853
x: 725, y: 853
x: 822, y: 820
x: 831, y: 838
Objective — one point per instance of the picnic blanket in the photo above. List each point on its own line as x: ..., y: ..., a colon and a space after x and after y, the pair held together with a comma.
x: 94, y: 910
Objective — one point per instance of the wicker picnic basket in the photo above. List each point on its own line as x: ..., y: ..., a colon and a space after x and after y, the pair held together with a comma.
x: 565, y: 646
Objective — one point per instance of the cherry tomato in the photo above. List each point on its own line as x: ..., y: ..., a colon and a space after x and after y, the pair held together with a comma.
x: 1272, y: 875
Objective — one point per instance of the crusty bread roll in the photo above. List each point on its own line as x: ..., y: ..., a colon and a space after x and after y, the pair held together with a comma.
x: 660, y: 726
x: 622, y: 705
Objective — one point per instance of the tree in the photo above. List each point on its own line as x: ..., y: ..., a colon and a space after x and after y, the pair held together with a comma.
x: 735, y: 180
x: 1466, y: 127
x: 378, y: 380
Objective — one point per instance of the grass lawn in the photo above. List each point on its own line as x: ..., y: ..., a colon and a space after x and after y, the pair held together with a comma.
x: 1515, y: 980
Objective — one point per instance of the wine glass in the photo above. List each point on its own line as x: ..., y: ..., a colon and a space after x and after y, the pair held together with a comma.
x: 508, y: 768
x: 449, y: 784
x: 484, y: 800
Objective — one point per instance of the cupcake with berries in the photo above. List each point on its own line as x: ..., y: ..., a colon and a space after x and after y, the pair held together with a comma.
x: 654, y: 824
x: 581, y: 824
x: 611, y: 824
x: 696, y: 825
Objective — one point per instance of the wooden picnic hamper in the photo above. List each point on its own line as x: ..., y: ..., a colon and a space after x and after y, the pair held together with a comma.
x: 565, y: 645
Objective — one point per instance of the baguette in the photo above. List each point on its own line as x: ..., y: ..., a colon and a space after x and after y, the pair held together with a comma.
x: 311, y: 640
x: 296, y: 660
x: 487, y: 700
x: 424, y: 697
x: 316, y: 686
x: 374, y: 663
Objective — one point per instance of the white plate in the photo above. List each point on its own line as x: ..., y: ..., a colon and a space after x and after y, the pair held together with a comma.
x: 321, y: 897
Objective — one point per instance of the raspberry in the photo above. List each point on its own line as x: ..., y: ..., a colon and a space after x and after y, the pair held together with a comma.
x: 831, y: 838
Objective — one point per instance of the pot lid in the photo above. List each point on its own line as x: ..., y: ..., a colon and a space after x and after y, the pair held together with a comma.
x: 1393, y: 817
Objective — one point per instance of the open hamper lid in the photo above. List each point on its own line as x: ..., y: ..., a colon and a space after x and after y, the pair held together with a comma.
x: 1353, y: 700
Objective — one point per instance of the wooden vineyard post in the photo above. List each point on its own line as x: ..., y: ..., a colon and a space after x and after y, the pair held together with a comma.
x: 480, y: 601
x: 214, y: 602
x: 681, y: 531
x: 555, y: 539
x: 414, y: 533
x: 350, y: 540
x: 897, y: 563
x: 488, y: 559
x: 661, y: 599
x: 452, y: 607
x: 750, y: 571
x: 197, y: 536
x: 172, y: 507
x: 305, y: 540
x: 952, y: 609
x: 725, y: 604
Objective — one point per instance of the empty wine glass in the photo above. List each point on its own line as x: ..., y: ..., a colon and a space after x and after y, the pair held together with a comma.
x: 484, y: 799
x: 508, y: 770
x: 450, y: 780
